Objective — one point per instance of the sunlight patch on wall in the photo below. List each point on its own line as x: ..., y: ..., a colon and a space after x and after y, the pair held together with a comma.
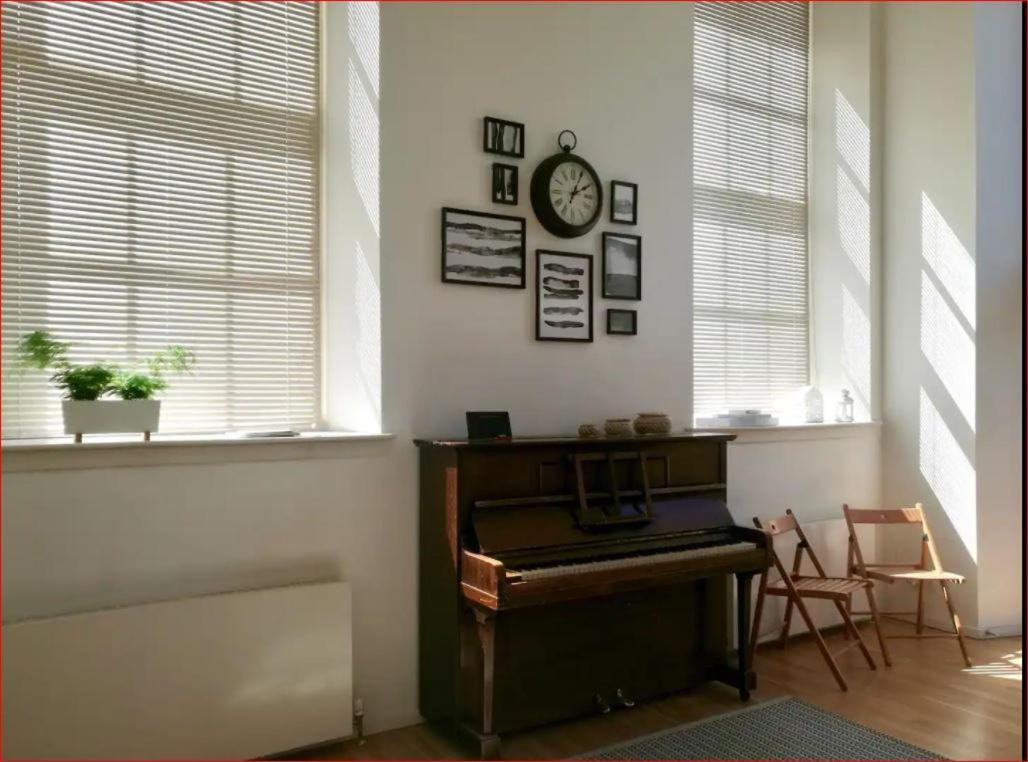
x: 364, y: 146
x: 949, y: 474
x: 856, y: 351
x: 853, y: 140
x: 948, y: 259
x: 362, y: 21
x: 854, y: 219
x: 369, y: 332
x: 948, y: 348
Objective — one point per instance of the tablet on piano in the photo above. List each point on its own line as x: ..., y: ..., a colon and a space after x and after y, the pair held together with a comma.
x: 488, y: 425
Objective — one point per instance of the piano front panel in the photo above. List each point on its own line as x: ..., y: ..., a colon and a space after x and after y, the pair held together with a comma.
x: 648, y: 643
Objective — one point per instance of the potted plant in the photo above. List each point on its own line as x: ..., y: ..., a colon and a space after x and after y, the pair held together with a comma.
x: 131, y: 407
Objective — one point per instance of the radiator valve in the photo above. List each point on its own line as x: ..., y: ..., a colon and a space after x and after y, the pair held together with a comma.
x: 358, y: 720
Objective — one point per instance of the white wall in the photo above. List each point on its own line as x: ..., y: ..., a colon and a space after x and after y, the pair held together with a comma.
x: 928, y: 440
x: 845, y: 215
x: 79, y: 539
x: 998, y: 381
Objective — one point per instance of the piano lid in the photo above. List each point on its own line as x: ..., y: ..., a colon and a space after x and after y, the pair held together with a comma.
x: 525, y: 527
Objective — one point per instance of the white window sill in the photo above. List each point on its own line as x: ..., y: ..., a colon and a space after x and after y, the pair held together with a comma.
x: 104, y: 451
x: 791, y: 432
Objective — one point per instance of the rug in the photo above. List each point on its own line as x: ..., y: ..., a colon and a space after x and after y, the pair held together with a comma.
x: 785, y: 728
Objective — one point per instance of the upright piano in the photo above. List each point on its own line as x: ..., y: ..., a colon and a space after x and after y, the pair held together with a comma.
x: 561, y: 577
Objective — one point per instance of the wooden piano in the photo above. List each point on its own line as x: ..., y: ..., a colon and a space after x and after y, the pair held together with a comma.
x: 562, y: 577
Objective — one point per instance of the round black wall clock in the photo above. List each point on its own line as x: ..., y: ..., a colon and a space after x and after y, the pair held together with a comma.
x: 566, y: 192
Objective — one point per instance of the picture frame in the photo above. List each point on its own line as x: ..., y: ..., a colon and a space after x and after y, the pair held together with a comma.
x: 622, y: 266
x: 482, y: 249
x: 622, y: 322
x: 563, y: 296
x: 503, y: 137
x: 624, y: 202
x: 505, y: 184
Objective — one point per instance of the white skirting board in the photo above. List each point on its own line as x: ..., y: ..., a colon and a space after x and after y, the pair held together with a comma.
x: 235, y: 675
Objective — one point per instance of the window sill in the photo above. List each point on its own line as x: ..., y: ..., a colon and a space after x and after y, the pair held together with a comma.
x: 792, y: 432
x: 102, y: 451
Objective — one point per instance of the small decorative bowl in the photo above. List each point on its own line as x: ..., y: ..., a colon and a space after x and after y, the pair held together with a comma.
x: 652, y: 423
x: 588, y: 431
x: 618, y: 427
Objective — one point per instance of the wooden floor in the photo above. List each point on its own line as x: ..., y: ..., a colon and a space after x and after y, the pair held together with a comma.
x: 927, y: 698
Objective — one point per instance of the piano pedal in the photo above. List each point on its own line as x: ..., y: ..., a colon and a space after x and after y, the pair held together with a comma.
x: 623, y: 700
x: 601, y: 704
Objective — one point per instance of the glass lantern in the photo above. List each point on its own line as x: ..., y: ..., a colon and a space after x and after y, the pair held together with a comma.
x: 844, y: 409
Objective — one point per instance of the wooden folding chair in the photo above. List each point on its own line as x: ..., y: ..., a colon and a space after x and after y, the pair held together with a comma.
x: 795, y: 587
x: 928, y: 569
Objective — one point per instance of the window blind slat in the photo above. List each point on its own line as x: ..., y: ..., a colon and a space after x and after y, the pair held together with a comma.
x: 160, y: 186
x: 750, y: 267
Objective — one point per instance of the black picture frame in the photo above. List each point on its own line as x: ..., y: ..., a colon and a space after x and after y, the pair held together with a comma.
x: 545, y: 300
x: 613, y: 331
x: 495, y: 134
x: 618, y: 285
x: 488, y: 424
x: 505, y: 184
x: 449, y: 251
x: 619, y: 218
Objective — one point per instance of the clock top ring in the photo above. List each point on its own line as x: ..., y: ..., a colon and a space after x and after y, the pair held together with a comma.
x: 570, y: 148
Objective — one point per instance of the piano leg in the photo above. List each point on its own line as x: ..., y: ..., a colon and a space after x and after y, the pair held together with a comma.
x: 743, y: 630
x: 489, y: 742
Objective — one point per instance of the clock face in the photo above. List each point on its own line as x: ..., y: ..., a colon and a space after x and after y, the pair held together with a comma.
x: 573, y: 193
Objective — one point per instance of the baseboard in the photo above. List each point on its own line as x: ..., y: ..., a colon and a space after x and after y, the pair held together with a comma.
x: 993, y: 631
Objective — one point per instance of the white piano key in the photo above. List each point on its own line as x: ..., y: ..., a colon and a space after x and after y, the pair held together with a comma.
x: 629, y: 561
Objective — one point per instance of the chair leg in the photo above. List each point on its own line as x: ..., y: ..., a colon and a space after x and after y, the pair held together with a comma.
x: 872, y: 606
x: 920, y: 607
x: 783, y: 638
x: 849, y: 611
x: 956, y: 622
x: 829, y: 659
x: 758, y: 612
x: 851, y: 628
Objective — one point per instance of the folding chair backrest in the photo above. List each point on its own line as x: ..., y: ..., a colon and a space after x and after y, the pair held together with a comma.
x: 783, y: 525
x: 912, y: 515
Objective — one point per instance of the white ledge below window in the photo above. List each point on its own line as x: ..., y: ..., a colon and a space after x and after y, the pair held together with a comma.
x: 104, y: 451
x: 789, y: 432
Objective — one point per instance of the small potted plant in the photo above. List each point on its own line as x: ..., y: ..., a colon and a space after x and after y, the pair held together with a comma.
x: 131, y: 407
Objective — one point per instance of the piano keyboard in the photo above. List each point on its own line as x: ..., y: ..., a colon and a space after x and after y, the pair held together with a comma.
x: 624, y: 562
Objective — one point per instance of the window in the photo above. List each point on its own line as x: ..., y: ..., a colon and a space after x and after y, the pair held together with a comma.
x: 750, y: 334
x: 160, y: 187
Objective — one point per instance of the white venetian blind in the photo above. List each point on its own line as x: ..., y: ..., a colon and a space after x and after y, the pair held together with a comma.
x: 160, y: 186
x: 750, y: 205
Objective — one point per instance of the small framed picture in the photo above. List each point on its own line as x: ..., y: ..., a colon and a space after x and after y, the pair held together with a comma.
x: 483, y: 249
x: 621, y: 322
x: 624, y: 202
x: 563, y: 296
x: 622, y: 266
x: 503, y: 137
x: 505, y: 184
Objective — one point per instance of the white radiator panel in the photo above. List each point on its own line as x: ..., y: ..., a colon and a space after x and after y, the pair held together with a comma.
x: 237, y: 675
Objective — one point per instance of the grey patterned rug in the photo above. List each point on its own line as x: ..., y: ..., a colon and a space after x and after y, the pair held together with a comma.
x: 784, y: 728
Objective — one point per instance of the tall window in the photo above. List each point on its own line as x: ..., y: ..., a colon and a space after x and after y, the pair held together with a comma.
x: 750, y: 343
x: 160, y: 187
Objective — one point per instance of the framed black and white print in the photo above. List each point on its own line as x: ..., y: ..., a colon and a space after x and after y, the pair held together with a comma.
x: 503, y: 137
x: 563, y: 296
x: 622, y: 266
x: 505, y: 184
x: 483, y: 249
x: 621, y: 322
x: 624, y: 202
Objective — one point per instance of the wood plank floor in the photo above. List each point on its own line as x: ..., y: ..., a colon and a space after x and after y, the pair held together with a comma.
x: 926, y: 698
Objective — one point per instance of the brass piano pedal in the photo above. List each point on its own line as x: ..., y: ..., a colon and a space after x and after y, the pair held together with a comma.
x: 601, y: 704
x: 622, y: 700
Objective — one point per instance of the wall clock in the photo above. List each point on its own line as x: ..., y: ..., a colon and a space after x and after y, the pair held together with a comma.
x: 566, y: 193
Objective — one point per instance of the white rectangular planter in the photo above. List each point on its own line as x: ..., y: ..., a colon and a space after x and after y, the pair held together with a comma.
x: 110, y: 416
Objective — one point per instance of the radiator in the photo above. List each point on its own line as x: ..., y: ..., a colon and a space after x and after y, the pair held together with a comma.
x: 235, y: 675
